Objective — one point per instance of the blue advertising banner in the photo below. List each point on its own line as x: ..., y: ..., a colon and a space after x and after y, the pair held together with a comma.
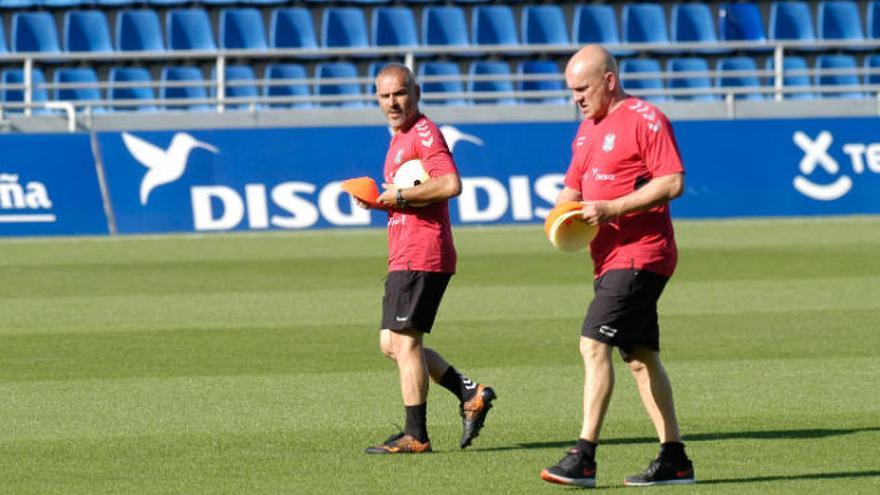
x: 48, y: 186
x: 221, y: 180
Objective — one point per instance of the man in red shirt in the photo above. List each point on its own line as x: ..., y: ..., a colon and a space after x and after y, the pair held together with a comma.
x: 421, y: 261
x: 625, y: 168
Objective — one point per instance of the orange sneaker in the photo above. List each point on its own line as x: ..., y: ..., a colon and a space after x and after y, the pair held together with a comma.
x: 400, y: 443
x: 473, y: 414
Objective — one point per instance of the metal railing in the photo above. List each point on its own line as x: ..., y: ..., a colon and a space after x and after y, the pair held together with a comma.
x: 217, y: 88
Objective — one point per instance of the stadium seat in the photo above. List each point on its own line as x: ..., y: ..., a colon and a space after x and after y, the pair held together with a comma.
x: 242, y: 29
x: 167, y: 3
x: 444, y: 26
x: 503, y: 84
x: 63, y: 4
x: 196, y: 91
x: 19, y: 4
x: 651, y: 81
x: 240, y: 82
x: 34, y: 32
x: 540, y: 67
x: 3, y: 47
x: 840, y: 20
x: 117, y: 3
x: 38, y: 92
x: 338, y: 70
x: 544, y: 25
x: 122, y: 87
x: 214, y: 3
x: 86, y: 31
x: 872, y: 63
x: 727, y: 79
x: 344, y: 27
x: 279, y: 82
x: 595, y: 23
x: 741, y: 21
x: 370, y: 2
x: 394, y: 26
x: 190, y: 29
x: 262, y: 3
x: 292, y: 28
x: 138, y: 30
x: 701, y: 80
x: 791, y: 21
x: 693, y: 22
x: 493, y: 25
x: 79, y: 75
x: 427, y: 70
x: 644, y: 23
x: 848, y: 77
x: 873, y: 20
x: 795, y: 73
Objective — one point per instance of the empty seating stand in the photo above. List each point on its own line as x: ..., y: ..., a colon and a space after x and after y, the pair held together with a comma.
x: 739, y: 72
x: 242, y: 29
x: 187, y: 94
x: 12, y: 77
x: 190, y: 29
x: 544, y: 25
x: 281, y: 81
x: 497, y: 80
x: 344, y: 27
x: 528, y: 69
x: 840, y: 20
x: 448, y: 80
x: 791, y: 21
x: 34, y: 32
x: 494, y: 25
x: 348, y: 86
x: 742, y: 21
x: 444, y: 26
x: 639, y: 74
x: 795, y: 74
x: 139, y: 30
x: 694, y: 76
x: 86, y: 31
x: 394, y: 26
x: 838, y: 70
x: 292, y: 28
x: 693, y: 23
x: 597, y: 23
x: 83, y: 81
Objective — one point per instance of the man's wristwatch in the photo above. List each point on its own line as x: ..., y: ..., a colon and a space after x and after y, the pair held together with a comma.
x: 400, y: 201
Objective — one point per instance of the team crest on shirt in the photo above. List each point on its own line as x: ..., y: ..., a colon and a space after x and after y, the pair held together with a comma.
x: 608, y: 144
x: 398, y: 157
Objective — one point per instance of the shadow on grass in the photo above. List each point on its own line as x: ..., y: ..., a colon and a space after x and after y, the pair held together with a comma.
x: 707, y: 437
x: 814, y: 476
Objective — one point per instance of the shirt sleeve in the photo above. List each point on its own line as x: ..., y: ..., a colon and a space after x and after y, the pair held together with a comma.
x: 431, y: 148
x: 659, y: 148
x: 575, y: 167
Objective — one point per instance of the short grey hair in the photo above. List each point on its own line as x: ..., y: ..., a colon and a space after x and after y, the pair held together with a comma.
x: 409, y: 79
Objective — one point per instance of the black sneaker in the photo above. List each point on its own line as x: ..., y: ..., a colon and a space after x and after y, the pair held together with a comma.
x: 473, y: 414
x: 400, y: 443
x: 573, y: 469
x: 664, y: 473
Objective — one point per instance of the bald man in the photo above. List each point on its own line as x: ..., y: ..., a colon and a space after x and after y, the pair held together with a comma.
x: 625, y: 168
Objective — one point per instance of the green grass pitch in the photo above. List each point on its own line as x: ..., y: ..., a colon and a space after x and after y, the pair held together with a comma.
x: 248, y: 364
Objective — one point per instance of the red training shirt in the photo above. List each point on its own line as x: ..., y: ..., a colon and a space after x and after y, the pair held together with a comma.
x: 612, y: 158
x: 420, y: 238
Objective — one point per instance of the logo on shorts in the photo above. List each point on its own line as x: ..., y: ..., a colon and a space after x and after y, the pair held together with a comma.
x: 608, y: 331
x: 401, y: 318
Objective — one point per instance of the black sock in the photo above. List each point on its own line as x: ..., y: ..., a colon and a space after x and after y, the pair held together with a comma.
x: 587, y: 447
x: 672, y: 452
x: 460, y: 385
x: 416, y: 422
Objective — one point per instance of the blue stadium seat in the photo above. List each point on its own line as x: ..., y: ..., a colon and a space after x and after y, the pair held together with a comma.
x: 873, y: 20
x: 544, y: 25
x: 338, y: 70
x: 34, y: 32
x: 490, y: 68
x: 19, y: 4
x: 139, y: 30
x: 493, y: 25
x: 595, y: 23
x: 872, y: 62
x: 791, y: 21
x: 263, y: 3
x: 79, y: 75
x: 123, y: 86
x: 849, y: 77
x: 279, y: 82
x: 647, y: 66
x: 701, y: 80
x: 370, y: 2
x: 190, y: 29
x: 344, y: 27
x: 167, y: 3
x: 242, y: 29
x: 196, y: 91
x: 214, y: 3
x: 795, y: 73
x: 644, y: 23
x: 38, y: 93
x: 541, y: 67
x: 86, y: 31
x: 427, y: 70
x: 63, y: 4
x: 444, y: 26
x: 693, y: 22
x: 117, y: 3
x: 240, y: 83
x: 726, y: 79
x: 840, y: 20
x: 741, y: 21
x: 3, y: 47
x: 394, y: 26
x: 292, y: 28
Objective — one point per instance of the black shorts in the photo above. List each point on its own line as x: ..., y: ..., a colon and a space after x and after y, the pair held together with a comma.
x: 624, y: 310
x: 412, y: 299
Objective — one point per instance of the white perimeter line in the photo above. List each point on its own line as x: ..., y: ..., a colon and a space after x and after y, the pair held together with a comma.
x: 26, y: 218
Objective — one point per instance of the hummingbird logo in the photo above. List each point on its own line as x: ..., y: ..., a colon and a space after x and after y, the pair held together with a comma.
x: 163, y: 166
x: 452, y: 136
